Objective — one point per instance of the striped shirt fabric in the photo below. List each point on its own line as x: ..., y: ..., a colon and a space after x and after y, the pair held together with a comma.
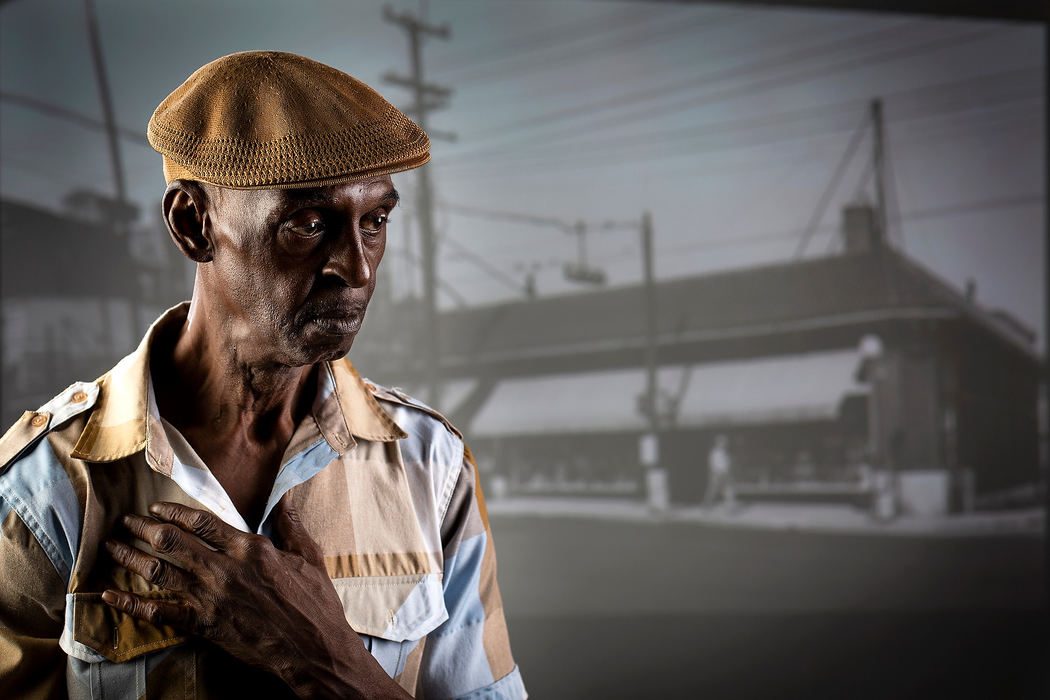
x: 384, y: 484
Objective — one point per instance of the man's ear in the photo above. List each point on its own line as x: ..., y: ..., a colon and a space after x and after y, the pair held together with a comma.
x: 186, y: 214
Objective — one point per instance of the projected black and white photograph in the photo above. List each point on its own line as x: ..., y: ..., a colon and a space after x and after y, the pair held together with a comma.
x: 720, y: 326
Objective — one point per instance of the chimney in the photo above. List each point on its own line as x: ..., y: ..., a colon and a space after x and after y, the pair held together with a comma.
x: 860, y: 229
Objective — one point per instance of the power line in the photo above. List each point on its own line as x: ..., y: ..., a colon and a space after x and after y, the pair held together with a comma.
x: 69, y: 115
x: 472, y: 56
x: 490, y: 71
x: 677, y: 87
x: 955, y: 209
x: 829, y: 191
x: 891, y: 194
x: 1010, y: 202
x: 484, y: 265
x: 516, y: 217
x: 934, y: 136
x: 938, y: 132
x: 590, y: 159
x: 457, y: 298
x: 769, y: 82
x: 657, y: 170
x: 1007, y: 84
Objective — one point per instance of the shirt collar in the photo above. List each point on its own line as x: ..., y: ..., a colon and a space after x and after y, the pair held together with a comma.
x: 119, y: 425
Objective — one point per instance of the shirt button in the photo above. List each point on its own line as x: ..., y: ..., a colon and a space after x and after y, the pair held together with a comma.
x: 79, y: 396
x: 38, y: 420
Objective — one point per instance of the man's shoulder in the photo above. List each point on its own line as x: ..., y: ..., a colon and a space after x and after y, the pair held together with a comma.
x: 36, y: 474
x: 432, y: 441
x: 412, y: 410
x: 57, y: 414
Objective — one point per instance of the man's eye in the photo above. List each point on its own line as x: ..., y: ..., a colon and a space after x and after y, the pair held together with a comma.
x: 308, y: 228
x: 374, y: 222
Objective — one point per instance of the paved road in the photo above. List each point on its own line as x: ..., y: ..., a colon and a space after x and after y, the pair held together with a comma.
x: 602, y: 609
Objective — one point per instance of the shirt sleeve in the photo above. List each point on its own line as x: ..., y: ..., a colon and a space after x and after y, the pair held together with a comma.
x: 468, y: 656
x: 32, y: 604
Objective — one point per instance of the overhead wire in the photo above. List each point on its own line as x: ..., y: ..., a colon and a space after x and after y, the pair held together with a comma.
x: 621, y: 157
x: 811, y: 148
x: 619, y: 45
x: 1007, y: 83
x: 516, y: 217
x: 893, y: 203
x: 676, y: 87
x: 812, y: 228
x: 457, y: 298
x: 770, y: 82
x: 933, y: 136
x: 491, y: 270
x: 69, y: 115
x: 956, y: 209
x: 971, y: 118
x: 442, y: 64
x: 832, y: 186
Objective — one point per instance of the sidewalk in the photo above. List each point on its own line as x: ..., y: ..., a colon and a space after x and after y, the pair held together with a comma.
x: 831, y: 518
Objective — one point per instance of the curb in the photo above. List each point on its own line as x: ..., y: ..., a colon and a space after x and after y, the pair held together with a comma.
x: 1029, y: 523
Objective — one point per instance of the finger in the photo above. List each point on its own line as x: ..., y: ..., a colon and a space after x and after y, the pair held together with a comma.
x: 157, y: 612
x: 293, y: 534
x: 203, y: 524
x: 167, y: 539
x: 149, y: 567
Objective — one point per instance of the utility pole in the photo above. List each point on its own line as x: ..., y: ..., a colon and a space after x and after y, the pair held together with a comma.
x: 110, y: 121
x: 650, y: 323
x: 118, y: 221
x: 649, y: 448
x: 879, y: 163
x: 425, y: 97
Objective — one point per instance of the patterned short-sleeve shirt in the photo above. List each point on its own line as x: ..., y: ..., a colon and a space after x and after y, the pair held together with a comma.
x: 384, y: 484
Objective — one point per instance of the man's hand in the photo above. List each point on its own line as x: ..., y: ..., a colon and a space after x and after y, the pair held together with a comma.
x: 272, y: 608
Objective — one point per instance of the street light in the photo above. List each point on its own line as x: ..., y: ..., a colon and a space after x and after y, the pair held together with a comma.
x: 871, y: 353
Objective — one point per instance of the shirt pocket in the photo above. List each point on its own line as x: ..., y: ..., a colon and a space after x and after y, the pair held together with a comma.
x: 110, y: 652
x: 392, y: 613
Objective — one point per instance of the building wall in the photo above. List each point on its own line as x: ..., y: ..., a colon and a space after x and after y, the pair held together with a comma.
x: 997, y: 414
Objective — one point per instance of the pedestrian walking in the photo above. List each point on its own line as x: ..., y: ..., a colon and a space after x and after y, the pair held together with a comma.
x: 719, y: 473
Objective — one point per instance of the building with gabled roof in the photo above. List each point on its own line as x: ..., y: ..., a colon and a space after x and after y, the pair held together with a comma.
x: 814, y: 367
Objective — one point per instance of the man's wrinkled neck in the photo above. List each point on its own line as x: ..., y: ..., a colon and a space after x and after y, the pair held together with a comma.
x: 217, y: 385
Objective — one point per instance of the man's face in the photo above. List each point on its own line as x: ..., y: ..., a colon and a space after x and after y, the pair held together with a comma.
x: 293, y: 270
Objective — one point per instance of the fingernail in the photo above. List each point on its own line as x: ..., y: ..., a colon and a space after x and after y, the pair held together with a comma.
x: 155, y: 508
x: 109, y: 597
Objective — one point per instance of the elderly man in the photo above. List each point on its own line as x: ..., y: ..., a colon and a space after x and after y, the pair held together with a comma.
x: 232, y: 510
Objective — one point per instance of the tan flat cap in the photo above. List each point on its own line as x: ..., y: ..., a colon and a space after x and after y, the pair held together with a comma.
x: 273, y: 120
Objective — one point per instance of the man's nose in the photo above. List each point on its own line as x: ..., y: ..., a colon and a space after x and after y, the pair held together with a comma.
x: 348, y: 260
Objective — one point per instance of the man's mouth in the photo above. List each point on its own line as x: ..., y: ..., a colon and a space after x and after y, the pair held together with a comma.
x: 336, y: 319
x: 337, y: 323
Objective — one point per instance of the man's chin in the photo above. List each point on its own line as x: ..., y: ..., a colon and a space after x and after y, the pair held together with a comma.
x: 328, y: 349
x: 333, y: 356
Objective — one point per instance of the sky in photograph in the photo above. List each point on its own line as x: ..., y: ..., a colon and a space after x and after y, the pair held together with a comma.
x: 725, y: 122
